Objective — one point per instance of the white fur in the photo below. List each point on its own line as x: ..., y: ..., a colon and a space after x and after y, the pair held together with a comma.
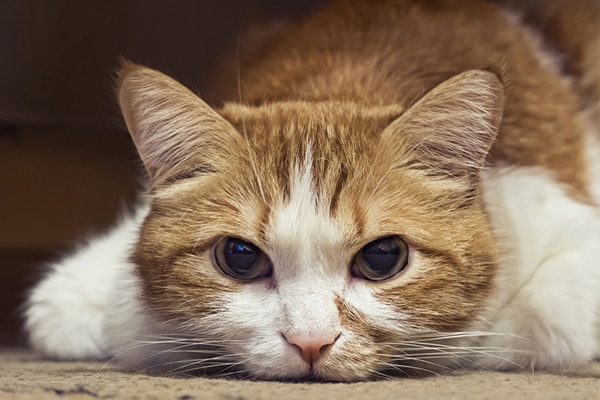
x: 549, y: 278
x: 69, y: 311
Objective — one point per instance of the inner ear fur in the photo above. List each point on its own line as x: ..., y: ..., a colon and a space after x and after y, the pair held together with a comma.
x: 447, y: 134
x: 175, y: 132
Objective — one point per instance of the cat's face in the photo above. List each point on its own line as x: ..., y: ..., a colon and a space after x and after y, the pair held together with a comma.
x: 314, y: 240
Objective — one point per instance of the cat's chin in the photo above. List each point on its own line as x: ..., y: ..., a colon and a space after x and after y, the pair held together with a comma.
x: 312, y: 374
x: 348, y: 373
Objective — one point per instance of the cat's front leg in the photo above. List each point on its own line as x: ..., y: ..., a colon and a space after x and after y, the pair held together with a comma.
x: 549, y: 282
x: 67, y: 314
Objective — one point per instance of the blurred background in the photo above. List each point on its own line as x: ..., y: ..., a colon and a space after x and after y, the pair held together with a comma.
x: 67, y: 165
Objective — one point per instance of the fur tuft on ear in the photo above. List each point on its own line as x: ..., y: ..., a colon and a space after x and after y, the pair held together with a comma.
x: 448, y: 133
x: 177, y: 135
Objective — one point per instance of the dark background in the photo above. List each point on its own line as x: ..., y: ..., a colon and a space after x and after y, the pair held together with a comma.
x: 67, y: 165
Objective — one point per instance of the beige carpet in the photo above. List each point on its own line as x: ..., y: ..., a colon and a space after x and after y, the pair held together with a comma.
x: 22, y: 376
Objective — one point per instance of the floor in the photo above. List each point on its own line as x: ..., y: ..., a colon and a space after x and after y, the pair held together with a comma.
x: 23, y: 376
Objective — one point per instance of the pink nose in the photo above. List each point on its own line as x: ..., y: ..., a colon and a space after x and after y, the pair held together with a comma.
x: 311, y: 347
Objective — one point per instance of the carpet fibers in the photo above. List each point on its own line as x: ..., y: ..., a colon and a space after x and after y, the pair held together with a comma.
x: 23, y: 376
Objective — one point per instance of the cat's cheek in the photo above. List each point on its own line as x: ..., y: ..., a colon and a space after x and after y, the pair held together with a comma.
x: 376, y: 315
x: 353, y: 358
x: 250, y: 323
x: 270, y: 358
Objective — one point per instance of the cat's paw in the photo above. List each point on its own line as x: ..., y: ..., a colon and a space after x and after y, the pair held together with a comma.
x: 68, y: 313
x: 65, y: 316
x: 549, y: 279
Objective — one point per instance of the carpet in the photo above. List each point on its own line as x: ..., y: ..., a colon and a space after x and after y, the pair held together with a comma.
x: 23, y: 376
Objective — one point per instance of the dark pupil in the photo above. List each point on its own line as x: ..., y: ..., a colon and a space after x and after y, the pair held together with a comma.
x: 240, y: 256
x: 382, y: 255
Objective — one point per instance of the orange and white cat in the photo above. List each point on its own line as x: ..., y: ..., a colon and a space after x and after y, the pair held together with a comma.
x: 398, y: 187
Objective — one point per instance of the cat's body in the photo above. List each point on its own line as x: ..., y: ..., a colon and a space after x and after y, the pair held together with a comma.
x: 371, y: 122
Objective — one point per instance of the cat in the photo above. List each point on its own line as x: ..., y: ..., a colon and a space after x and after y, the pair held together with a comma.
x: 392, y: 188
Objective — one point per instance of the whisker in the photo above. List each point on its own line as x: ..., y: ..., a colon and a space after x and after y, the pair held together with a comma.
x: 429, y: 352
x: 459, y: 335
x: 200, y: 365
x: 429, y: 348
x: 403, y: 367
x: 179, y: 354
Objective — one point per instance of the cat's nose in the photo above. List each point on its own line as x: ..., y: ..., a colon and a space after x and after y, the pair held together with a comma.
x: 311, y: 347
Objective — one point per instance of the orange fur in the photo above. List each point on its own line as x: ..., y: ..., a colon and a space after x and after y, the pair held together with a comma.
x: 398, y: 132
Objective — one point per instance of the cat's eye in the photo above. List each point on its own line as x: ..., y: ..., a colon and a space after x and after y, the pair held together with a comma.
x: 240, y: 259
x: 381, y: 259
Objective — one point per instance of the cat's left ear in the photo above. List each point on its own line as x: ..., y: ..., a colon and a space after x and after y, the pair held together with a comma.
x: 177, y: 135
x: 447, y: 134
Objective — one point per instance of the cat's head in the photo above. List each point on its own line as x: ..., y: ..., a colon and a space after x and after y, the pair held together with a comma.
x: 315, y: 240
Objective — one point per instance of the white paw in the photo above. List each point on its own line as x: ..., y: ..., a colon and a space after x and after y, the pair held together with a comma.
x: 67, y: 313
x: 65, y: 317
x: 549, y: 278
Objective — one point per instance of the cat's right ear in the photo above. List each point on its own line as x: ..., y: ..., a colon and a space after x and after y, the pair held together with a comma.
x: 177, y: 135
